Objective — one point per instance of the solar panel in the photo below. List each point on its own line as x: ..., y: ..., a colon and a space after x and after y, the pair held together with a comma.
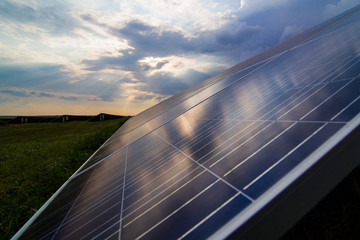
x: 245, y: 153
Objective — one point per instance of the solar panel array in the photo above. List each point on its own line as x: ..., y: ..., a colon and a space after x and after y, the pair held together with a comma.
x: 188, y: 166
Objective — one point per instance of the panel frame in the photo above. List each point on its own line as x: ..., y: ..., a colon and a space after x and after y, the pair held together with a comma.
x: 269, y: 218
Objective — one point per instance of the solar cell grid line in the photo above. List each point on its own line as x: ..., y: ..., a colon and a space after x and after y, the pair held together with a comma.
x: 169, y: 191
x: 275, y: 111
x: 162, y: 200
x: 339, y: 25
x: 217, y: 154
x: 142, y: 169
x: 285, y: 156
x: 123, y: 193
x: 258, y: 150
x: 302, y: 101
x: 151, y: 191
x: 237, y: 68
x: 248, y: 146
x: 197, y: 203
x: 209, y: 216
x: 153, y: 182
x: 235, y: 141
x: 208, y: 170
x: 273, y: 57
x: 138, y: 208
x: 327, y: 99
x: 303, y: 41
x: 183, y: 161
x: 348, y: 113
x: 179, y: 98
x: 101, y: 153
x: 268, y: 170
x: 160, y: 153
x: 82, y: 220
x: 139, y: 167
x: 342, y: 110
x: 326, y: 83
x: 300, y: 110
x: 147, y: 172
x: 314, y: 70
x: 93, y: 206
x: 179, y: 109
x: 198, y: 141
x: 89, y: 233
x: 109, y: 155
x: 68, y: 211
x: 178, y: 114
x: 159, y: 162
x: 136, y: 226
x: 226, y: 136
x: 48, y: 221
x: 82, y: 211
x: 168, y: 216
x: 245, y: 172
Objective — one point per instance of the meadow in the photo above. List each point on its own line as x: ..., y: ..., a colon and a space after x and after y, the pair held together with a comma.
x: 36, y: 159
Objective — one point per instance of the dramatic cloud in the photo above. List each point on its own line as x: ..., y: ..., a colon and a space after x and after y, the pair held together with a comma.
x: 129, y: 55
x: 55, y: 18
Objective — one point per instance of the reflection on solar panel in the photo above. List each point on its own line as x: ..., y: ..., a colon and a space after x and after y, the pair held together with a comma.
x: 246, y: 152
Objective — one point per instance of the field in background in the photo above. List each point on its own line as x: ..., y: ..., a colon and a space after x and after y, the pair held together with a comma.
x: 37, y: 158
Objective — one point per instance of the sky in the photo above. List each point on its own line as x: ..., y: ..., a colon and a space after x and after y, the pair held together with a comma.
x: 122, y: 57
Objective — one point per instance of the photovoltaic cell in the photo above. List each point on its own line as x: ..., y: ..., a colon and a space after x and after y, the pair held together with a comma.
x: 218, y: 157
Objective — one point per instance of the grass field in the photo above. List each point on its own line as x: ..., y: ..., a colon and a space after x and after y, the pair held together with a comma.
x: 36, y: 159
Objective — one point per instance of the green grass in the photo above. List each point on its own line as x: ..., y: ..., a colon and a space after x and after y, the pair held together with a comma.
x: 36, y: 159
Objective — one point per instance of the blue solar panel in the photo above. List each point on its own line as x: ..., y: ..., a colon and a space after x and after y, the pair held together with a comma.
x: 223, y: 155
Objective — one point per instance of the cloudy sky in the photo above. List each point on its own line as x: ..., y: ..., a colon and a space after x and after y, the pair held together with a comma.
x: 123, y: 56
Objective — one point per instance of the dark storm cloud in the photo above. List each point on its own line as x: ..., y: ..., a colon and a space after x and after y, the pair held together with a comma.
x: 236, y: 33
x: 125, y: 62
x: 238, y: 39
x: 153, y: 41
x: 148, y: 40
